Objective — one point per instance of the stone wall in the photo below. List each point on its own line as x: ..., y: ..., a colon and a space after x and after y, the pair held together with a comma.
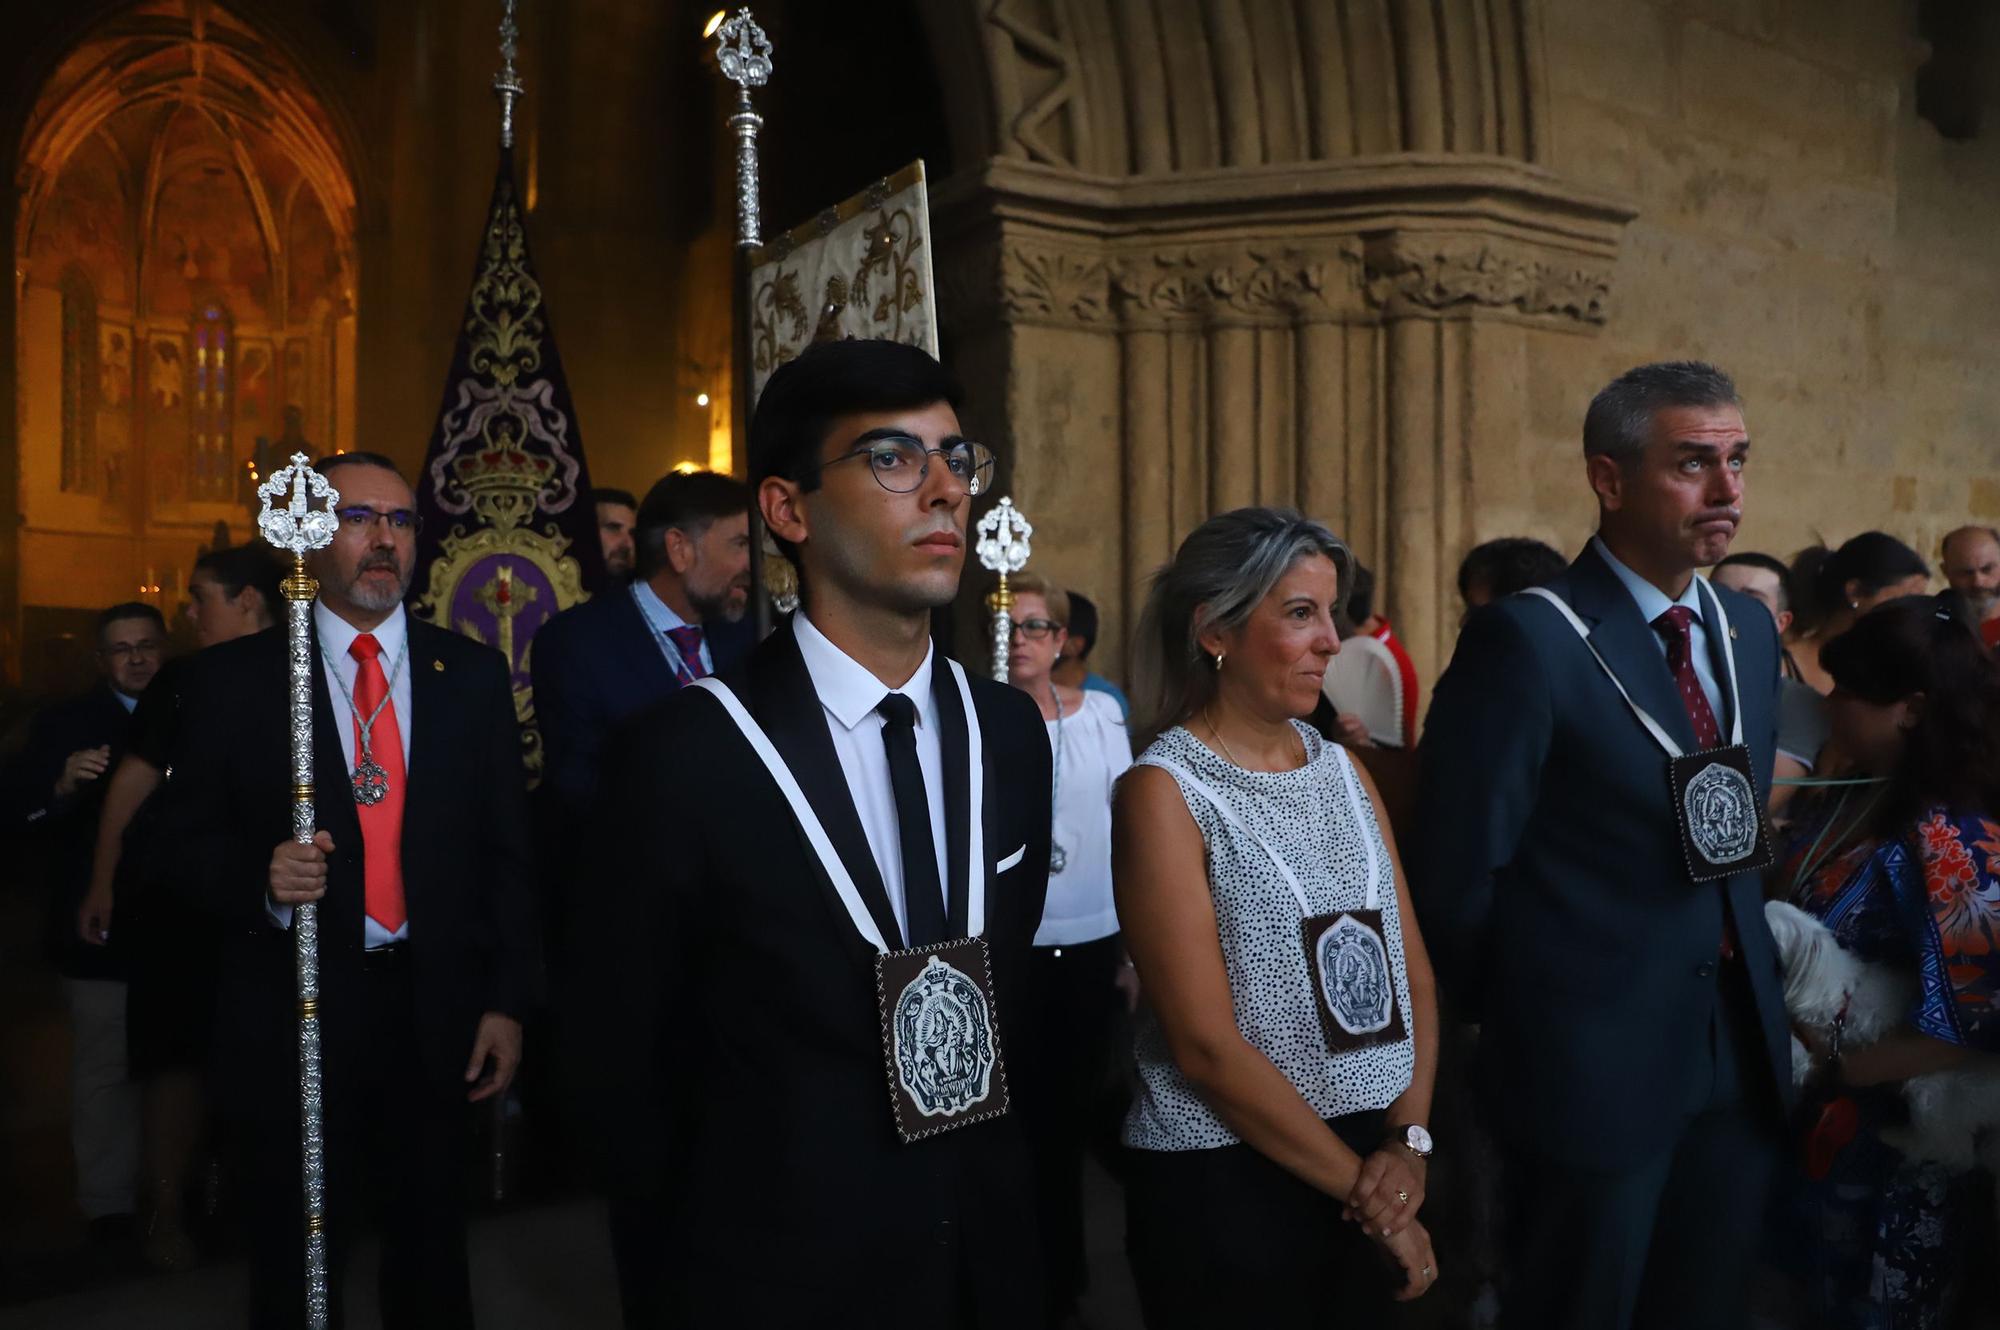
x: 1799, y: 225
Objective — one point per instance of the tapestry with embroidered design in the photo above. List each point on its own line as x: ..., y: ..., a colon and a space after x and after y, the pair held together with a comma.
x: 509, y: 535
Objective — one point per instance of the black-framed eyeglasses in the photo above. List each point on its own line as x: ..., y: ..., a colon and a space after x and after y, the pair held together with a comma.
x: 1035, y: 630
x: 136, y: 650
x: 362, y: 518
x: 900, y: 462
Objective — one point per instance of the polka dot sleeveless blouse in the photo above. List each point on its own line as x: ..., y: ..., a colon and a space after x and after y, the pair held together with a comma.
x: 1306, y: 816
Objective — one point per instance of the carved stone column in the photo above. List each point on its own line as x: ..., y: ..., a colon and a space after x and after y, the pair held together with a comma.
x: 1337, y: 337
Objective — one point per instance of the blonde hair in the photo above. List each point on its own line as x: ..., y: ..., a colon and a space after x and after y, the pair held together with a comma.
x: 1052, y: 595
x: 1219, y: 576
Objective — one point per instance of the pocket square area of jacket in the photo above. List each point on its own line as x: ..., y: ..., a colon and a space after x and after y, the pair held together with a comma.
x: 1011, y: 859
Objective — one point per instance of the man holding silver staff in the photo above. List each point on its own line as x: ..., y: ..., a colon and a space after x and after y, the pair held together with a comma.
x: 814, y: 947
x: 428, y: 954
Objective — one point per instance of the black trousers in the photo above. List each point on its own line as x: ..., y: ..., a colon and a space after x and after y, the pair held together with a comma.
x: 392, y: 1135
x: 1225, y: 1237
x: 1059, y: 1051
x: 1671, y: 1242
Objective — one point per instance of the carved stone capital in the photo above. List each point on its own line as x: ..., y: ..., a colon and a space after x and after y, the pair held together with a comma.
x: 1409, y: 272
x: 1249, y: 286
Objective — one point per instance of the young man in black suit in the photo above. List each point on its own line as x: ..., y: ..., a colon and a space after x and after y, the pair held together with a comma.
x: 820, y: 857
x: 427, y: 936
x: 1594, y: 767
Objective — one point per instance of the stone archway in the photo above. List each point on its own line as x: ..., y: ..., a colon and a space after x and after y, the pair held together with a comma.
x: 185, y: 270
x: 1217, y: 252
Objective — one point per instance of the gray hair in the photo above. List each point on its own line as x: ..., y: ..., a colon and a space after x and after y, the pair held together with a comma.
x: 1619, y: 423
x: 1219, y: 576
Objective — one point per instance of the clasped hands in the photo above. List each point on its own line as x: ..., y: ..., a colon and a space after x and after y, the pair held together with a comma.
x: 1385, y: 1201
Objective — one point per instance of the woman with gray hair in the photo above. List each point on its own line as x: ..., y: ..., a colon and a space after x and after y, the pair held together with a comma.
x: 1288, y: 1041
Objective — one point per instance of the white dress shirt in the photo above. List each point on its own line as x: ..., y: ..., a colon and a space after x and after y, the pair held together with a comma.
x: 1096, y: 750
x: 660, y: 616
x: 336, y: 635
x: 1653, y: 603
x: 849, y: 694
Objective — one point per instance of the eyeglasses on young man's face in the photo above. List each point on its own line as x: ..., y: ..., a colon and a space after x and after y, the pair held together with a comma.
x: 1035, y: 630
x: 363, y: 518
x: 901, y: 462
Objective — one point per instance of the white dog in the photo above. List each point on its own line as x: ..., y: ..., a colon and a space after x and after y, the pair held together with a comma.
x: 1948, y: 1109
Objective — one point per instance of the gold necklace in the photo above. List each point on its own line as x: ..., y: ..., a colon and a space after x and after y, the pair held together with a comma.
x: 1209, y: 721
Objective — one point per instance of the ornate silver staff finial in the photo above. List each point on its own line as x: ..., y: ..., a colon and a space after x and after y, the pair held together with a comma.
x: 298, y: 528
x: 744, y: 54
x: 507, y: 83
x: 1003, y: 549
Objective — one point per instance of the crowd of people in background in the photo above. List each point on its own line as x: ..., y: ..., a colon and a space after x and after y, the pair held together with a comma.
x: 1280, y: 931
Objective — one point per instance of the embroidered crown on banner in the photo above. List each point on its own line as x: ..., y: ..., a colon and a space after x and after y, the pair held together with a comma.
x: 505, y: 482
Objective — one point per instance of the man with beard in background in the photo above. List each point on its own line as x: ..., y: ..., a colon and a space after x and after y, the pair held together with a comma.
x: 1972, y: 566
x: 428, y: 951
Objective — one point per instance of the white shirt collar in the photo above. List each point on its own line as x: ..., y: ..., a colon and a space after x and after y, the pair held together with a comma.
x: 845, y: 686
x: 336, y: 634
x: 1652, y: 601
x: 658, y: 613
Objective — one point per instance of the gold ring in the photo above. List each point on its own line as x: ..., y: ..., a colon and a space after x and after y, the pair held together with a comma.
x: 1403, y: 1196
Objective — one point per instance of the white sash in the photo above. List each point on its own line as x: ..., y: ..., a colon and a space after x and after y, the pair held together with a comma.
x: 1660, y: 736
x: 1190, y: 781
x: 829, y: 858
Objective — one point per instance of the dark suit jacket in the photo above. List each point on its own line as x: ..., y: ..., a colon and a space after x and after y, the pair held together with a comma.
x: 62, y: 833
x: 466, y: 872
x: 596, y: 665
x: 1550, y: 881
x: 749, y: 1085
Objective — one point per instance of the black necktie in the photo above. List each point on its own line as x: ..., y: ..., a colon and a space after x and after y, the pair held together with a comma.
x: 923, y: 897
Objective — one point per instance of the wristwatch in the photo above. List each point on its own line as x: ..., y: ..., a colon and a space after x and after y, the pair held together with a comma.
x: 1416, y: 1140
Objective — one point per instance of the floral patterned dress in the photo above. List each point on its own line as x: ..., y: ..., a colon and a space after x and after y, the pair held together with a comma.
x: 1879, y: 1237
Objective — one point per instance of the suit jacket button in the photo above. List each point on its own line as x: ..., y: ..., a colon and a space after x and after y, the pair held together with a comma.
x: 1705, y: 969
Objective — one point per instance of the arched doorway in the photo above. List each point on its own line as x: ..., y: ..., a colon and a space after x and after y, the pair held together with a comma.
x: 185, y: 287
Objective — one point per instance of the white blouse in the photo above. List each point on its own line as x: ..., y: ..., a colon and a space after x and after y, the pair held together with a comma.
x: 1094, y: 751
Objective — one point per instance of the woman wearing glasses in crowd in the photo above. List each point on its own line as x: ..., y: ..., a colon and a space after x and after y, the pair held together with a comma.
x: 1063, y: 1062
x: 1288, y: 1039
x: 1901, y: 859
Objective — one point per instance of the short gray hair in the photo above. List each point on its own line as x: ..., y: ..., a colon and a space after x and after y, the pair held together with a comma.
x: 1220, y: 574
x: 1619, y: 423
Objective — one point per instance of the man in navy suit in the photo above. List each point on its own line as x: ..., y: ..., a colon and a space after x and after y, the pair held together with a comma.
x: 602, y: 662
x: 1634, y: 1052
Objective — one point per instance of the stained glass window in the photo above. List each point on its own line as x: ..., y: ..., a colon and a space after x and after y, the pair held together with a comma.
x: 212, y: 401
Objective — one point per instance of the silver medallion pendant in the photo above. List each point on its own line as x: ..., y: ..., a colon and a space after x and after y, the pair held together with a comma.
x: 1058, y: 858
x: 371, y: 783
x: 940, y: 1037
x: 1721, y: 819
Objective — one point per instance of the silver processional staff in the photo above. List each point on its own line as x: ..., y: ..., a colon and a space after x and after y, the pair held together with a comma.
x: 1003, y: 549
x: 297, y: 529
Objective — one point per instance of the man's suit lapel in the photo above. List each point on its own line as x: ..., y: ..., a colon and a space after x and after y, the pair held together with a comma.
x: 638, y: 649
x: 955, y: 741
x: 1718, y: 658
x: 429, y: 698
x: 1629, y: 646
x: 333, y: 804
x: 784, y: 703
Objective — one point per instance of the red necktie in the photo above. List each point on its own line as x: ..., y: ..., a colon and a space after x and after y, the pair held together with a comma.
x: 687, y: 641
x: 1675, y: 626
x: 381, y: 823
